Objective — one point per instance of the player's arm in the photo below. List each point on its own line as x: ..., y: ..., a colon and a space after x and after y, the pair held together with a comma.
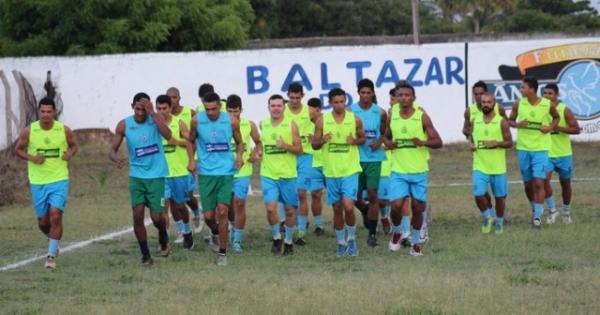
x: 514, y: 113
x: 467, y: 123
x: 317, y: 138
x: 388, y: 140
x: 507, y: 141
x: 572, y: 124
x: 239, y: 143
x: 434, y: 141
x: 296, y: 146
x: 159, y: 120
x: 360, y: 133
x: 73, y: 148
x: 256, y: 153
x: 116, y: 141
x: 21, y: 148
x: 555, y: 120
x: 375, y: 145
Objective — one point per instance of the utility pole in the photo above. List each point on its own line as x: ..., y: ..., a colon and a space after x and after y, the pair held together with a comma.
x: 415, y: 21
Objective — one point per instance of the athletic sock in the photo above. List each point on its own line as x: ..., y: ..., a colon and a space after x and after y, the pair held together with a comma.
x: 485, y: 214
x: 405, y: 224
x: 275, y: 231
x: 179, y: 226
x: 551, y: 204
x: 426, y: 214
x: 302, y: 221
x: 319, y: 221
x: 52, y: 247
x: 415, y: 236
x: 289, y: 234
x: 499, y: 221
x: 566, y: 209
x: 186, y: 228
x: 144, y: 248
x: 351, y: 230
x: 238, y: 234
x: 538, y: 210
x: 372, y: 224
x: 163, y: 237
x: 340, y: 236
x: 396, y: 229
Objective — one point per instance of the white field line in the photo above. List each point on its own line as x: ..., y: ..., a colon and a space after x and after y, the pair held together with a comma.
x: 118, y: 233
x: 74, y: 246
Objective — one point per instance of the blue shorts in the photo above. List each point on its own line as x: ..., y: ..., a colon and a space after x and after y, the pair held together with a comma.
x: 499, y: 184
x: 282, y: 190
x: 408, y: 185
x: 384, y: 188
x: 304, y: 168
x: 191, y: 183
x: 316, y: 179
x: 533, y: 164
x: 342, y: 187
x: 240, y: 187
x: 176, y: 189
x: 53, y: 195
x: 562, y: 165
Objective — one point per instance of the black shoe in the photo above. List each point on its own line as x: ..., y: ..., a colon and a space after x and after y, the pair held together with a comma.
x: 319, y: 231
x: 372, y: 241
x: 288, y: 249
x: 147, y: 261
x: 188, y: 241
x: 300, y: 241
x: 276, y: 248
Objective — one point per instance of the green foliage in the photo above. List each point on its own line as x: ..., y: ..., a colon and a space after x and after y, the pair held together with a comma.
x: 76, y: 27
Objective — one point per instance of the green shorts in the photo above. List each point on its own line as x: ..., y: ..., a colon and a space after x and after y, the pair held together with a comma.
x: 369, y: 177
x: 150, y: 192
x: 215, y: 189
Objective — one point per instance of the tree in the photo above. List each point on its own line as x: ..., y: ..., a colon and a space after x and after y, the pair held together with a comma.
x: 76, y: 27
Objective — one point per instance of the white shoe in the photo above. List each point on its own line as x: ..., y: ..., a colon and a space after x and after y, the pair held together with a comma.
x: 213, y: 242
x: 415, y: 250
x: 567, y: 219
x: 424, y: 234
x: 551, y: 217
x: 393, y: 247
x: 537, y: 223
x: 179, y: 238
x: 221, y: 260
x: 50, y: 263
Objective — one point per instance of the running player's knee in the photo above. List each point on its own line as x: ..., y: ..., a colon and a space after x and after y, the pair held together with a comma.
x: 222, y: 212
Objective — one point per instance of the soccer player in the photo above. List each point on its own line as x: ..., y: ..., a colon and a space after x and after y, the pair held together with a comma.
x: 241, y: 180
x: 410, y: 133
x: 316, y: 177
x: 278, y: 171
x: 185, y: 114
x: 561, y: 155
x: 205, y: 89
x: 144, y: 132
x: 490, y: 137
x: 534, y: 117
x: 371, y: 153
x: 213, y: 131
x: 338, y: 134
x: 474, y: 109
x: 178, y: 153
x: 299, y: 114
x: 48, y: 146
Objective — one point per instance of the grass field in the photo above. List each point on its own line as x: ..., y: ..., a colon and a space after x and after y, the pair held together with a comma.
x: 555, y: 270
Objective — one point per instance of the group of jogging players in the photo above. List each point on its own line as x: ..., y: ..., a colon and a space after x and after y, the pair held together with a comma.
x: 361, y: 155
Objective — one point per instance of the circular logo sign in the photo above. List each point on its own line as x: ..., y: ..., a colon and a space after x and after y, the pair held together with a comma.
x: 580, y: 88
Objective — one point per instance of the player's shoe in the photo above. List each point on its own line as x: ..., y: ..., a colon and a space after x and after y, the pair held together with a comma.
x: 179, y: 238
x: 551, y: 217
x: 221, y: 260
x: 486, y: 226
x: 165, y: 250
x: 299, y: 238
x: 236, y: 247
x: 394, y: 244
x: 537, y: 223
x: 198, y: 223
x: 288, y: 249
x: 415, y: 250
x: 276, y: 247
x: 319, y: 231
x: 147, y: 261
x: 372, y: 241
x: 405, y: 239
x: 566, y: 218
x: 50, y: 263
x: 188, y: 241
x: 352, y: 248
x: 341, y: 250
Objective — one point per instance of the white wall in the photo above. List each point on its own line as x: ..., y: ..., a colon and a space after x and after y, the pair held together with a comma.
x: 97, y: 91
